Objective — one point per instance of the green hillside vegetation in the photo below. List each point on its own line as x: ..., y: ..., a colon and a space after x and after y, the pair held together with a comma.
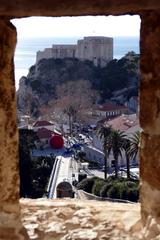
x: 119, y: 74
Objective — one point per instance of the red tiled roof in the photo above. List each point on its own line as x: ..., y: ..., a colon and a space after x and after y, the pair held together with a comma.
x: 110, y: 107
x: 42, y: 123
x: 44, y: 133
x: 124, y: 122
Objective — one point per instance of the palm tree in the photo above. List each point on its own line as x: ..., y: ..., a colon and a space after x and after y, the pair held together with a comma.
x: 126, y: 147
x: 69, y: 110
x: 116, y: 140
x: 134, y: 145
x: 104, y: 132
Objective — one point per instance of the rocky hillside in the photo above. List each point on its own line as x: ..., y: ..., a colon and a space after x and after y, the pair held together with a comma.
x: 40, y: 84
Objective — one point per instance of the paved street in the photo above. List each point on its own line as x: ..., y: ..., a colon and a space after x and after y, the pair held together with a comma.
x: 68, y: 168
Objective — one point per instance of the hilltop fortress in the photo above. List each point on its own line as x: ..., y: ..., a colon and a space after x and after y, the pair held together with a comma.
x: 99, y: 50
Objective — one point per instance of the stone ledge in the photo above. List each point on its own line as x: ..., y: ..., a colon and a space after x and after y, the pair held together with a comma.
x: 25, y: 8
x: 74, y: 219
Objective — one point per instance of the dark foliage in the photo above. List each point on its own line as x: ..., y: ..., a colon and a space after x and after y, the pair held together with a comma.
x: 111, y: 188
x: 40, y: 173
x: 105, y: 188
x: 119, y: 74
x: 34, y: 174
x: 86, y: 184
x: 81, y: 155
x: 121, y: 189
x: 26, y: 143
x: 98, y: 184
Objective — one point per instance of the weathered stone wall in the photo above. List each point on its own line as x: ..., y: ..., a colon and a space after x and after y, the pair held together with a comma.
x: 57, y: 51
x: 81, y: 220
x: 150, y: 115
x: 24, y: 8
x: 9, y: 176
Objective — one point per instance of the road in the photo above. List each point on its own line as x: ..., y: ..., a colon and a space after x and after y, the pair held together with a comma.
x: 64, y: 171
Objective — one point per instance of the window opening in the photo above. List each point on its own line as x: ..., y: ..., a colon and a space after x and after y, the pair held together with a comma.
x: 67, y: 102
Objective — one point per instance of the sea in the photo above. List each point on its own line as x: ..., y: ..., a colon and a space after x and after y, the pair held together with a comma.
x: 25, y: 53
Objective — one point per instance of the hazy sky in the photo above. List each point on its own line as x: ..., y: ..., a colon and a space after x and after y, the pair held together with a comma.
x: 50, y: 27
x: 77, y: 26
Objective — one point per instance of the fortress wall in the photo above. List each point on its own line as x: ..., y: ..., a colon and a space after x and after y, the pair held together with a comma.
x: 80, y: 50
x: 96, y: 49
x: 64, y: 46
x: 57, y: 51
x: 46, y: 54
x: 63, y: 51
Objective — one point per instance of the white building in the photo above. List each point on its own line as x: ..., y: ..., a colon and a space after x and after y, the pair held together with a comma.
x: 95, y: 153
x: 110, y: 110
x: 127, y: 123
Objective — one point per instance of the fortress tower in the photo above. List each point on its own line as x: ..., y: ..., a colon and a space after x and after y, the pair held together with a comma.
x: 99, y: 50
x: 96, y: 49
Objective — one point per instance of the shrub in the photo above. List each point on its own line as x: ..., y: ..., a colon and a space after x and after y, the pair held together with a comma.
x: 58, y: 61
x: 86, y: 184
x: 112, y: 188
x: 32, y: 69
x: 36, y: 84
x: 117, y: 191
x: 105, y: 188
x: 124, y: 190
x: 130, y: 184
x: 98, y: 184
x: 112, y: 192
x: 133, y: 194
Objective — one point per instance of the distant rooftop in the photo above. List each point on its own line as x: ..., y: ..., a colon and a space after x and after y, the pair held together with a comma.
x: 110, y: 107
x: 125, y: 122
x: 42, y: 123
x: 44, y: 133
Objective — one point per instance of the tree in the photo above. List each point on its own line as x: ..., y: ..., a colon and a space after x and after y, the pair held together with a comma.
x: 104, y: 132
x: 72, y: 103
x: 134, y: 145
x: 70, y: 111
x: 41, y: 168
x: 74, y: 99
x: 119, y: 74
x: 115, y: 144
x: 26, y: 143
x: 126, y: 147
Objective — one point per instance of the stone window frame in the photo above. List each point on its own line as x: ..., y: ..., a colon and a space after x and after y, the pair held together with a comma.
x: 149, y: 12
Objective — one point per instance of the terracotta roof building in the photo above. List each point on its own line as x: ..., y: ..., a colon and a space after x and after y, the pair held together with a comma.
x: 111, y: 110
x: 44, y: 133
x: 125, y: 122
x: 42, y: 123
